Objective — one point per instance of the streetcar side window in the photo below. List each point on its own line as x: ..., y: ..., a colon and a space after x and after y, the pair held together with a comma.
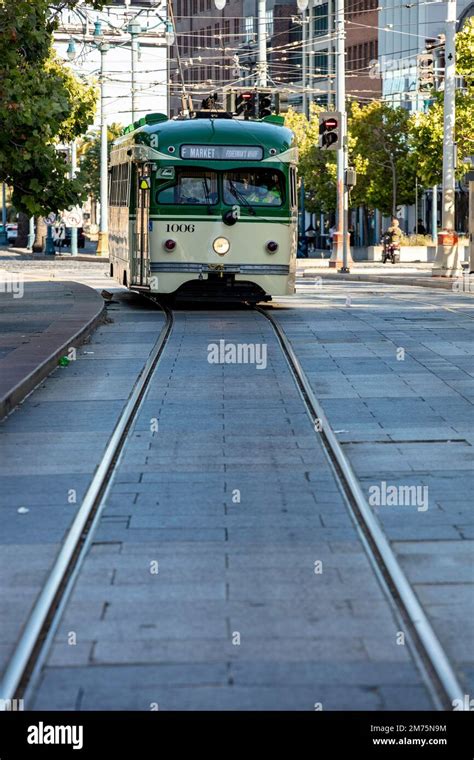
x: 257, y: 187
x: 191, y: 186
x: 119, y: 185
x: 293, y: 194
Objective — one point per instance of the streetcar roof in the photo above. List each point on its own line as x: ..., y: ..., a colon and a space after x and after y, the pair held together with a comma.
x: 176, y: 132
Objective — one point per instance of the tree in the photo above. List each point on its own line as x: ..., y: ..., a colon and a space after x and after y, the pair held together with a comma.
x: 378, y: 144
x: 379, y: 147
x: 41, y: 103
x: 89, y: 157
x: 426, y: 129
x: 316, y: 167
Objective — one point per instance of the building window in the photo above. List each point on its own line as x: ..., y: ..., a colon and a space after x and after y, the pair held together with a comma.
x: 226, y: 32
x: 321, y: 63
x: 185, y: 7
x: 269, y: 23
x: 209, y: 73
x: 236, y: 27
x: 217, y: 32
x: 320, y: 20
x: 249, y: 29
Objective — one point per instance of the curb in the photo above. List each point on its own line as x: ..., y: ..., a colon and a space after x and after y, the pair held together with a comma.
x: 421, y: 282
x: 87, y: 300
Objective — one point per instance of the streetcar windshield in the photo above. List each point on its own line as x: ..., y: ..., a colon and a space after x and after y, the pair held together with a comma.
x: 191, y: 186
x: 254, y: 187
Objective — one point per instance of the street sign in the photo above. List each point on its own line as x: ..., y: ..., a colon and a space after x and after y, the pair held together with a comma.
x: 51, y: 218
x: 72, y: 217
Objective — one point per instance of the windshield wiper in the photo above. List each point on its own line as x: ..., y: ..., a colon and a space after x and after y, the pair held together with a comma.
x: 240, y: 197
x: 207, y: 195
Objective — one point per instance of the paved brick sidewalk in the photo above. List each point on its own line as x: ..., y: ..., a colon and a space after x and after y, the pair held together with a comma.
x: 394, y: 370
x: 39, y: 322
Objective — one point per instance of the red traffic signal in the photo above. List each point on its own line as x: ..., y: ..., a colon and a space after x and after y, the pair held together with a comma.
x: 329, y: 124
x: 329, y: 130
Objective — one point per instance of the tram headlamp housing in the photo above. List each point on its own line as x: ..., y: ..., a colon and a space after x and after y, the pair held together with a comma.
x: 221, y: 246
x: 272, y: 247
x: 170, y: 245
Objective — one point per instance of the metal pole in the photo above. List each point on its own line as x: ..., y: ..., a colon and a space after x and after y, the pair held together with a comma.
x: 73, y: 174
x: 3, y: 233
x: 262, y: 44
x: 340, y: 237
x: 134, y: 30
x: 103, y: 244
x: 304, y: 63
x: 434, y: 215
x: 446, y: 262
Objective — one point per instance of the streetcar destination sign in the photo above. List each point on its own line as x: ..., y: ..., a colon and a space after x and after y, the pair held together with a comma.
x: 222, y: 152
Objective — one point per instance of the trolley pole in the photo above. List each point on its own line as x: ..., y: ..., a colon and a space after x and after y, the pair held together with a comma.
x: 103, y: 243
x: 340, y: 252
x: 446, y: 263
x: 262, y: 44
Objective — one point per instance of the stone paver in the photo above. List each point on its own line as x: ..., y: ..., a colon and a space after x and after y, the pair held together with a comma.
x: 405, y: 419
x: 214, y: 564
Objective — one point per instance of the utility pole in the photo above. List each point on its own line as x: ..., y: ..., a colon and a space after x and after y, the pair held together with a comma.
x: 340, y: 253
x: 134, y: 30
x: 446, y: 263
x: 262, y: 44
x: 73, y: 174
x: 304, y: 62
x: 103, y: 243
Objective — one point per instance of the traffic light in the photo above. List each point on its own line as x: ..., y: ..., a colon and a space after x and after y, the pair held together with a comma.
x: 264, y: 103
x: 281, y: 102
x: 245, y: 104
x: 230, y: 102
x: 425, y: 72
x: 330, y: 130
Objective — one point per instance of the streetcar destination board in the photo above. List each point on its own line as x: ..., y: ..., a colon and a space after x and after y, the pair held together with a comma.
x: 222, y: 152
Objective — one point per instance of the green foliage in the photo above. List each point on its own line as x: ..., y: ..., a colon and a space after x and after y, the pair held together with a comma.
x: 378, y: 149
x: 426, y: 129
x: 41, y: 104
x: 89, y: 157
x: 316, y: 167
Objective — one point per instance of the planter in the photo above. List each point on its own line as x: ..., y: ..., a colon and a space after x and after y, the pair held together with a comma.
x: 408, y: 253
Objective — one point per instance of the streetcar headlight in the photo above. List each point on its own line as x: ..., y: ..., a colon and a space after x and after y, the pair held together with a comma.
x: 221, y: 245
x: 272, y: 247
x: 170, y: 245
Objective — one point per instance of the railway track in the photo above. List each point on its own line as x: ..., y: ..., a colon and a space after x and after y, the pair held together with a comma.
x: 32, y: 648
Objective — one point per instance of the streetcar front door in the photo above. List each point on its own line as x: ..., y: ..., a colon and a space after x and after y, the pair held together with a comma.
x: 141, y: 243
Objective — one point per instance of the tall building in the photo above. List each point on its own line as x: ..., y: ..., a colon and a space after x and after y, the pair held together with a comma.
x: 203, y: 56
x: 216, y: 49
x: 361, y: 51
x: 405, y: 30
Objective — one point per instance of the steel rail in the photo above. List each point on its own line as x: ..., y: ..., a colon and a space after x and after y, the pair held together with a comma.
x: 31, y: 649
x: 437, y: 666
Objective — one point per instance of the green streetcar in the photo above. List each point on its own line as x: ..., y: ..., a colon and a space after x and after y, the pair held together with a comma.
x: 204, y: 207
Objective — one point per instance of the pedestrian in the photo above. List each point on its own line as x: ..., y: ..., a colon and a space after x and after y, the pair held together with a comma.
x: 420, y: 228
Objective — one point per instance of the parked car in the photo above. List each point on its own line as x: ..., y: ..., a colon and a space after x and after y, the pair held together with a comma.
x: 12, y: 232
